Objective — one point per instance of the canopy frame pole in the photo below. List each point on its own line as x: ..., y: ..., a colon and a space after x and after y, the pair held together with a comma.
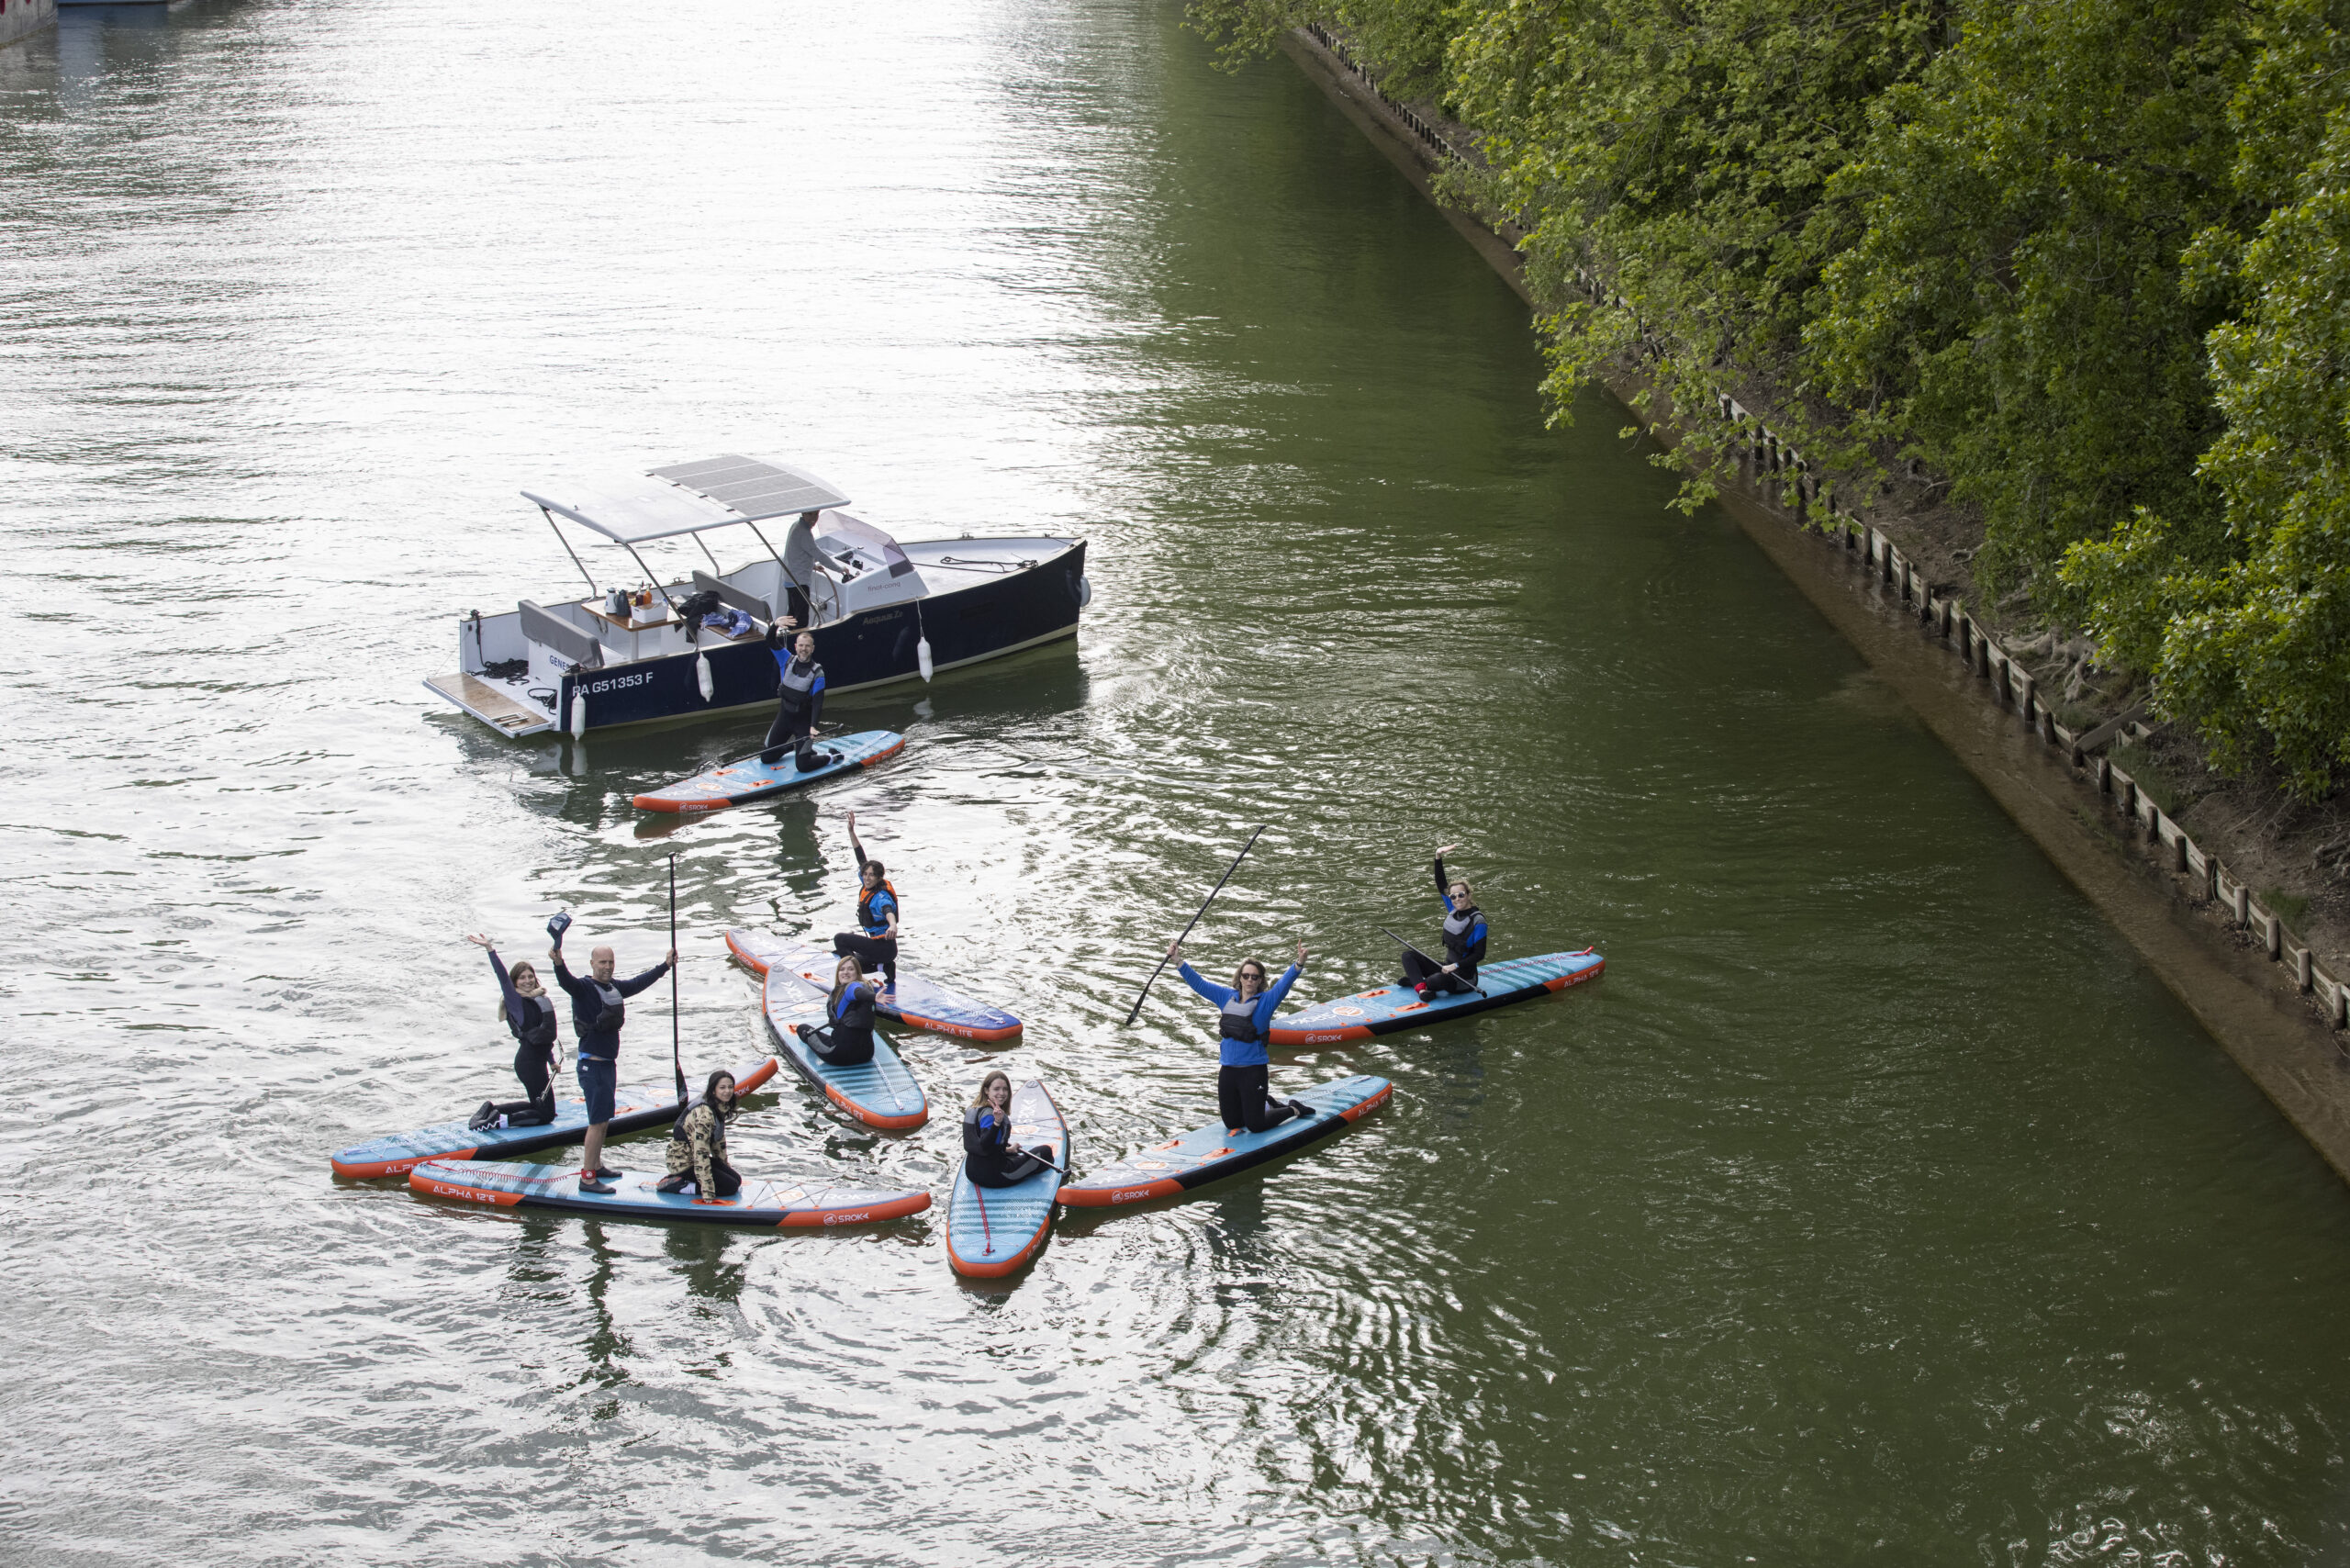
x: 715, y: 569
x: 592, y: 589
x: 650, y: 577
x: 783, y: 565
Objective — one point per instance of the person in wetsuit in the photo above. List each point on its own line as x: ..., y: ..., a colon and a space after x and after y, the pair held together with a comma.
x: 989, y: 1159
x: 698, y: 1143
x: 875, y: 942
x: 530, y: 1017
x: 1464, y: 940
x: 598, y: 1010
x: 1244, y: 1021
x: 846, y: 1037
x: 800, y: 697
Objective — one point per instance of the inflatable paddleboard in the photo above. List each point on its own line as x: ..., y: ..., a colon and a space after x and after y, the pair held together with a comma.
x: 991, y: 1231
x: 918, y: 1003
x: 635, y: 1106
x: 1210, y: 1153
x: 739, y: 783
x: 1382, y: 1011
x: 763, y: 1204
x: 880, y: 1093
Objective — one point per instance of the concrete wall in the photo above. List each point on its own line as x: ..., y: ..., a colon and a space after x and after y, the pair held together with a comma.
x: 22, y: 18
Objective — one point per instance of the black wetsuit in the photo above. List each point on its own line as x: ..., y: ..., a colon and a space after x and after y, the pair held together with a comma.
x: 988, y: 1159
x: 873, y: 946
x: 848, y: 1040
x: 532, y: 1021
x: 799, y: 702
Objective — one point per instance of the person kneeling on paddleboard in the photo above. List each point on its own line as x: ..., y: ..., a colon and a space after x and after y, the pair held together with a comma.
x: 876, y: 945
x: 847, y: 1036
x: 599, y: 1008
x: 1464, y: 940
x: 1244, y: 1015
x: 698, y: 1143
x: 800, y: 699
x: 529, y: 1013
x: 989, y: 1157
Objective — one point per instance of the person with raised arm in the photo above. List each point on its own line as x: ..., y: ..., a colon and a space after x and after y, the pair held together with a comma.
x: 1244, y: 1021
x: 875, y: 942
x: 599, y: 1008
x: 1464, y: 940
x: 529, y: 1013
x: 799, y: 696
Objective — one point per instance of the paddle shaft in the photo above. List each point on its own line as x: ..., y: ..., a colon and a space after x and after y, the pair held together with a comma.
x: 1220, y: 881
x: 676, y: 1045
x: 1425, y: 958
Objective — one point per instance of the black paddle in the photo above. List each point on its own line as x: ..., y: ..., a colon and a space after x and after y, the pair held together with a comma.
x: 1423, y: 957
x: 1220, y: 881
x: 677, y: 1049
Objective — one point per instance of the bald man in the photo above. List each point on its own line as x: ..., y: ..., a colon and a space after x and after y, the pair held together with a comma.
x: 598, y: 1010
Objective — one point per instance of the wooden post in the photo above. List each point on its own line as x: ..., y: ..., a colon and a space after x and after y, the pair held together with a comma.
x: 2210, y: 879
x: 2178, y: 851
x: 2275, y: 936
x: 2302, y: 970
x: 2243, y: 904
x: 2105, y: 776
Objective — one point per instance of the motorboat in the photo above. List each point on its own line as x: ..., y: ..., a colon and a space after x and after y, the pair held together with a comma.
x: 882, y: 611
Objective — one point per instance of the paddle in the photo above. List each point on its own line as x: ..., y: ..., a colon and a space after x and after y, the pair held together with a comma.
x: 1425, y: 959
x: 676, y: 1046
x: 1220, y: 881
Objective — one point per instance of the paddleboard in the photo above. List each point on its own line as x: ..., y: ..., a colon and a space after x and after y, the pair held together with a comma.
x: 1383, y: 1011
x: 765, y: 1204
x: 1210, y: 1153
x: 880, y: 1093
x: 741, y: 782
x: 918, y: 1003
x: 991, y: 1231
x: 635, y: 1106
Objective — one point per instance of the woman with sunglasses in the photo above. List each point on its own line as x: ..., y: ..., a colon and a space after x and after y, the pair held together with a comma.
x: 1244, y: 1018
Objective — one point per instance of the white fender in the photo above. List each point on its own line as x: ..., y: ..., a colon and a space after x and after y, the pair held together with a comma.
x: 1084, y: 591
x: 701, y: 674
x: 922, y: 657
x: 578, y: 715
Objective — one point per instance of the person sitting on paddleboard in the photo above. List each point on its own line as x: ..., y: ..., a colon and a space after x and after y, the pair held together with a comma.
x: 529, y: 1013
x: 598, y: 1010
x: 846, y: 1035
x: 876, y: 945
x: 1464, y: 940
x: 1245, y: 1016
x: 800, y: 697
x: 698, y: 1143
x: 989, y: 1157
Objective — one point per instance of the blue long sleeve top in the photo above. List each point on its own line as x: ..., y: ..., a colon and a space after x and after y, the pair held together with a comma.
x: 1244, y: 1053
x: 1444, y: 892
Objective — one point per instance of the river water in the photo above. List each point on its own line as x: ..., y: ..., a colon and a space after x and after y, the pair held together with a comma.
x: 1875, y: 1206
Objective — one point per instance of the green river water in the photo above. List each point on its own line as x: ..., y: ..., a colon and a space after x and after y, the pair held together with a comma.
x: 1876, y: 1205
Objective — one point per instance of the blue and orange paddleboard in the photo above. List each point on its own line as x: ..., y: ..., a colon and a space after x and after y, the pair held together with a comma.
x: 991, y: 1231
x: 880, y: 1093
x: 763, y: 1204
x: 740, y: 782
x: 918, y: 1003
x: 1394, y: 1007
x: 635, y: 1106
x: 1213, y: 1152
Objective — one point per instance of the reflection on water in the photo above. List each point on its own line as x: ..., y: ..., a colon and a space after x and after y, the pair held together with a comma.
x: 1874, y: 1196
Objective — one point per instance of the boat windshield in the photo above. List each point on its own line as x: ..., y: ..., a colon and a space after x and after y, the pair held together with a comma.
x: 847, y: 546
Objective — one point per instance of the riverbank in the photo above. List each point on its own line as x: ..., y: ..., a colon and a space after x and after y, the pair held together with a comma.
x: 20, y: 19
x: 2207, y: 905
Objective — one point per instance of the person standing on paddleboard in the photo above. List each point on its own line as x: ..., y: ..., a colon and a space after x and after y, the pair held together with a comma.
x: 599, y: 1008
x: 698, y: 1143
x: 529, y: 1013
x: 800, y: 697
x: 989, y: 1157
x: 1244, y: 1017
x: 1464, y: 940
x: 875, y: 945
x: 846, y: 1037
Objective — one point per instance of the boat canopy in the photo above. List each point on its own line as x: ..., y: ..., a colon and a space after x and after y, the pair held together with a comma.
x: 688, y: 497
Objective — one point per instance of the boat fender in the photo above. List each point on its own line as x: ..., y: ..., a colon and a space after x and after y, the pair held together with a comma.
x: 921, y: 645
x: 1084, y: 591
x: 578, y: 715
x: 701, y: 674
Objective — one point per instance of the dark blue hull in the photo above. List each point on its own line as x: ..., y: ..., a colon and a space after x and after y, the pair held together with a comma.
x: 995, y: 616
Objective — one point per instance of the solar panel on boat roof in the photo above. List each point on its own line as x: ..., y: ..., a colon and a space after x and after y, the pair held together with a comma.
x: 752, y: 488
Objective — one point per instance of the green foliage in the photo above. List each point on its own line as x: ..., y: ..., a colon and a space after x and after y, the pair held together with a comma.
x: 2087, y: 258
